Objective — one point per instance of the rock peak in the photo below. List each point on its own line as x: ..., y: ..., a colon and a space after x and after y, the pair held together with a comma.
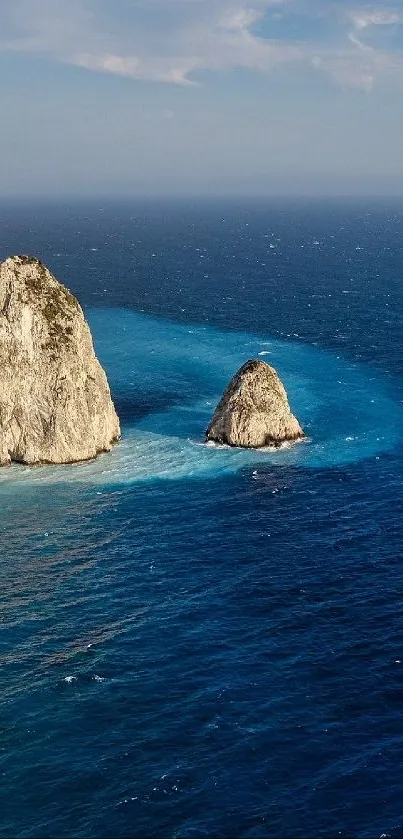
x: 254, y: 411
x: 23, y: 259
x: 55, y: 403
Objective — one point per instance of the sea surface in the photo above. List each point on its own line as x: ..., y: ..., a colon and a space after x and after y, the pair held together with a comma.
x: 201, y: 641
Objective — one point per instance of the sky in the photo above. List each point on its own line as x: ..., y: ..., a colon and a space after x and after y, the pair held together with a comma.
x: 201, y: 97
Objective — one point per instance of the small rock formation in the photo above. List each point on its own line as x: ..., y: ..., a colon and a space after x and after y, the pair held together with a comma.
x: 55, y: 403
x: 254, y: 410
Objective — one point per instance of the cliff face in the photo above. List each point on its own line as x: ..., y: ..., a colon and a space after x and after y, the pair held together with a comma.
x: 254, y: 410
x: 55, y: 403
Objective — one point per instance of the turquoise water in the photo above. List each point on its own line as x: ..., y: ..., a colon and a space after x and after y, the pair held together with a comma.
x: 167, y: 378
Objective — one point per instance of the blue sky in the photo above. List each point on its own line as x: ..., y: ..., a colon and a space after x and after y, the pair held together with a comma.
x: 127, y: 97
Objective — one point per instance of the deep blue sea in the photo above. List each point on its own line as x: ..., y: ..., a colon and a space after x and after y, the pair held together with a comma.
x: 201, y: 641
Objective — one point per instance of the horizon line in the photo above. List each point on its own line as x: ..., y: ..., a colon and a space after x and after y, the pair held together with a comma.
x: 202, y: 197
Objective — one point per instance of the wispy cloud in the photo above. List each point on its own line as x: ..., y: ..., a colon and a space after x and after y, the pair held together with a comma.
x: 375, y: 17
x: 368, y: 19
x: 171, y: 40
x: 368, y: 62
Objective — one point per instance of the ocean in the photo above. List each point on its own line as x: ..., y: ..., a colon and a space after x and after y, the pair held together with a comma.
x: 201, y: 641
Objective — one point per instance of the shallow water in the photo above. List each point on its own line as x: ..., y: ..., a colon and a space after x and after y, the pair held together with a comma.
x: 167, y: 378
x: 201, y: 641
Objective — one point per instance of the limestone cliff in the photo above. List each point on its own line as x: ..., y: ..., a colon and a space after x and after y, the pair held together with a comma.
x: 254, y: 410
x: 55, y: 403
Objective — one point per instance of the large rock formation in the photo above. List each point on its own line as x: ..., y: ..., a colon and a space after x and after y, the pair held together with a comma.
x: 254, y: 410
x: 55, y: 403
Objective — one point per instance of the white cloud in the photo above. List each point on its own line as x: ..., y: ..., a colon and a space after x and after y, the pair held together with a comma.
x: 367, y: 18
x: 209, y: 34
x: 169, y: 40
x: 375, y: 17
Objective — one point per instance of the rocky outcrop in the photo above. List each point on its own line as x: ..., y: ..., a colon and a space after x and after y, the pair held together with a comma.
x: 55, y: 403
x: 254, y: 410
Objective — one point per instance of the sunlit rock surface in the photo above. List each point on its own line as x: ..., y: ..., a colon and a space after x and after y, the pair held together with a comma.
x: 254, y: 410
x: 55, y: 402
